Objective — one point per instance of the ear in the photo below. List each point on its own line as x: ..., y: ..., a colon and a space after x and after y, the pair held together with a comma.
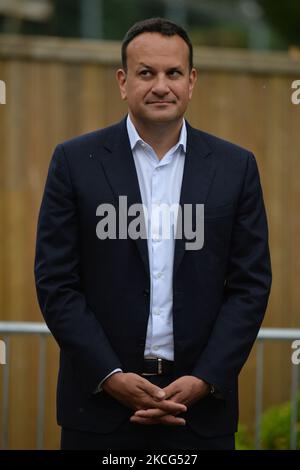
x: 192, y: 81
x: 121, y: 77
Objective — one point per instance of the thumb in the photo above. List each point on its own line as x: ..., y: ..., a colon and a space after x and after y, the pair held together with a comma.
x: 159, y: 395
x: 169, y: 391
x: 157, y: 392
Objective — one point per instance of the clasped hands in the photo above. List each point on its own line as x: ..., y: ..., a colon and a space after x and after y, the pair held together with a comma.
x: 152, y: 404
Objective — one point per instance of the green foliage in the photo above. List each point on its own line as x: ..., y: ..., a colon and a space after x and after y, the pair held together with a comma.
x: 275, y: 429
x: 231, y: 35
x: 284, y: 18
x: 242, y: 439
x: 210, y: 23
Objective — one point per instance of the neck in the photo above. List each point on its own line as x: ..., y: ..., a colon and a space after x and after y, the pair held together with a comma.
x: 160, y: 135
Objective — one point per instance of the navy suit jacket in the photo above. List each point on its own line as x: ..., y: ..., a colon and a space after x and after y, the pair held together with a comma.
x: 94, y: 294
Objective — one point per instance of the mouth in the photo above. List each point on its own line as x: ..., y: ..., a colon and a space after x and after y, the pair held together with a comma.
x: 160, y: 102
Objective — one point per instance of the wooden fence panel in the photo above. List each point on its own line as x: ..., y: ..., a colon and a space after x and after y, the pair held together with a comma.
x: 57, y: 89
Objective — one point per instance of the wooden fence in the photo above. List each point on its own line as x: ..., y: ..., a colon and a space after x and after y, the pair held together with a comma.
x: 57, y: 89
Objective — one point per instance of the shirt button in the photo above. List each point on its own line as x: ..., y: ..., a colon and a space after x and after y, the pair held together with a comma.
x: 155, y: 348
x: 146, y: 292
x: 156, y: 311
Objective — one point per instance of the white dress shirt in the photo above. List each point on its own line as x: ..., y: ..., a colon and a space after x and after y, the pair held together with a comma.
x: 160, y: 183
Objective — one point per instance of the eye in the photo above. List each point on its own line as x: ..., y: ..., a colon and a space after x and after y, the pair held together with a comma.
x: 145, y: 73
x: 174, y: 73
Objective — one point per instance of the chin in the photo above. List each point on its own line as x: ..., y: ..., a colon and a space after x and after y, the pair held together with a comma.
x: 162, y: 117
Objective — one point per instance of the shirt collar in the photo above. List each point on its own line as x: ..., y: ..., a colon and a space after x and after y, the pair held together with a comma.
x: 134, y: 137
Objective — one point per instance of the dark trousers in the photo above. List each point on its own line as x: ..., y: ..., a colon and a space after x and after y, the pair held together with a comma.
x: 133, y: 436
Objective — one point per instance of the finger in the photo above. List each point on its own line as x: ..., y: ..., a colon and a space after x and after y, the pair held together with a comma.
x: 171, y: 420
x: 171, y: 390
x: 171, y: 406
x: 155, y: 392
x: 154, y: 413
x: 168, y: 420
x: 177, y: 397
x: 163, y: 407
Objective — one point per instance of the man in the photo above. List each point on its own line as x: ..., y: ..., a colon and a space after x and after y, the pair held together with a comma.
x: 153, y: 333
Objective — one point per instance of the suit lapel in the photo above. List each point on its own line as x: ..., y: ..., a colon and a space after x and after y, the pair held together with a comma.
x: 121, y: 174
x: 199, y: 169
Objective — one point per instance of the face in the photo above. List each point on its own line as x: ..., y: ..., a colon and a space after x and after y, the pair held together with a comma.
x: 158, y: 83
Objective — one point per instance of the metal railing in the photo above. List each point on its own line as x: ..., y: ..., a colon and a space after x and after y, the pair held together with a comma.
x: 15, y: 328
x: 265, y: 334
x: 271, y: 334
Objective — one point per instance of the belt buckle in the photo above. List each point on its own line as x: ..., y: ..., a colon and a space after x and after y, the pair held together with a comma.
x: 159, y: 366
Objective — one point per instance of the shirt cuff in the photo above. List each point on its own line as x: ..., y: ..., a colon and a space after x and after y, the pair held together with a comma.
x: 99, y: 388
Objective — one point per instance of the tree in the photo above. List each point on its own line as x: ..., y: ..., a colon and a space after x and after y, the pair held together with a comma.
x: 284, y: 18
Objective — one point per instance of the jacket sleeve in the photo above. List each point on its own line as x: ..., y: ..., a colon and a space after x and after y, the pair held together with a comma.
x: 246, y: 293
x: 57, y: 274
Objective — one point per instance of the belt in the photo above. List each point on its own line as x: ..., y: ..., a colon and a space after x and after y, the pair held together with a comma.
x: 157, y: 366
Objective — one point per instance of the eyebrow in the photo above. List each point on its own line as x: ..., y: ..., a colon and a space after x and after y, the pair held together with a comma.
x: 174, y: 67
x: 145, y: 65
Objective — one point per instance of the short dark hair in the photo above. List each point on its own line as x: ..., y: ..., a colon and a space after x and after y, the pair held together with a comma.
x: 155, y: 25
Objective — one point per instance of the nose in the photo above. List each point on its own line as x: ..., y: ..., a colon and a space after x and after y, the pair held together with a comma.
x: 160, y: 87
